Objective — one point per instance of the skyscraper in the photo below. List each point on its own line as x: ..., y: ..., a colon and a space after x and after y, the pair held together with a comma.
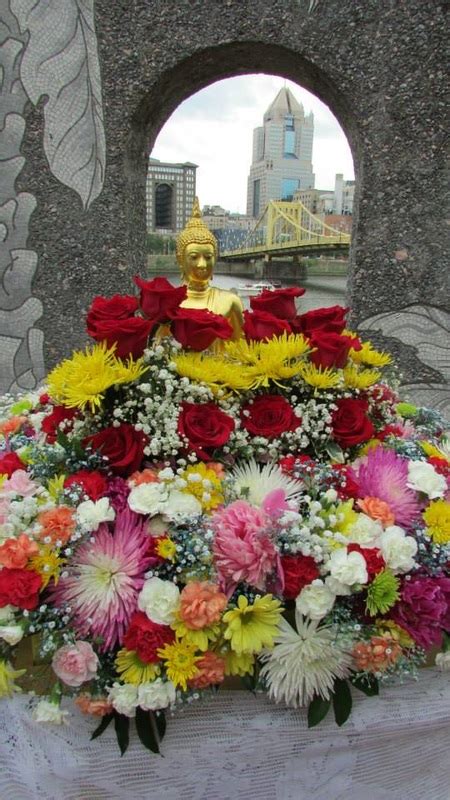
x: 282, y: 153
x: 170, y: 195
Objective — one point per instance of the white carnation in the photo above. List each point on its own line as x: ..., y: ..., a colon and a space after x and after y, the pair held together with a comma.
x: 181, y: 504
x: 7, y: 613
x: 155, y: 695
x: 348, y: 568
x: 91, y: 513
x: 397, y: 549
x: 423, y: 477
x: 148, y: 498
x: 159, y: 600
x: 11, y: 634
x: 365, y: 531
x: 46, y: 711
x: 315, y: 600
x: 443, y: 660
x: 124, y: 698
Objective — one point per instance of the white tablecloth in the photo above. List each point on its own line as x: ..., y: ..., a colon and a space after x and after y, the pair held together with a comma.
x: 394, y: 747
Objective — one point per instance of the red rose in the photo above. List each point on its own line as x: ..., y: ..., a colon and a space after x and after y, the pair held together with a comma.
x: 19, y: 587
x: 9, y: 463
x: 375, y: 562
x: 93, y: 484
x: 145, y: 637
x: 197, y: 328
x: 300, y: 465
x: 51, y: 423
x: 261, y: 325
x: 129, y: 335
x: 330, y: 319
x: 159, y: 299
x: 269, y: 415
x: 280, y: 302
x: 350, y: 422
x: 106, y: 309
x: 123, y: 446
x: 205, y: 426
x: 331, y: 349
x: 298, y: 571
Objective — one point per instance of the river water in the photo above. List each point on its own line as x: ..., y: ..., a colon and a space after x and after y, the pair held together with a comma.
x: 326, y: 291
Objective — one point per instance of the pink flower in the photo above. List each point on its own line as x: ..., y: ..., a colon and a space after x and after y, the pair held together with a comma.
x: 242, y: 549
x: 75, y: 663
x: 19, y: 483
x: 423, y: 609
x: 382, y: 474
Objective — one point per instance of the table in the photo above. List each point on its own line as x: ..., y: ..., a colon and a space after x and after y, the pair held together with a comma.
x: 236, y: 745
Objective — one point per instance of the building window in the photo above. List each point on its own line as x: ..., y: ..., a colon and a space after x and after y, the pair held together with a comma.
x: 256, y: 197
x: 163, y: 205
x: 288, y: 187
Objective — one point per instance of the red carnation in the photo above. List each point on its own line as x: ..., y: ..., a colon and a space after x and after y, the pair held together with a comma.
x: 350, y: 423
x: 123, y: 446
x: 331, y: 349
x: 440, y: 465
x: 298, y: 572
x: 146, y: 637
x: 331, y: 319
x: 261, y: 325
x: 197, y: 328
x: 93, y: 484
x: 269, y: 415
x: 19, y: 587
x: 280, y: 302
x: 374, y: 560
x: 9, y: 463
x: 129, y: 335
x: 51, y: 424
x: 107, y: 309
x: 344, y: 482
x: 205, y: 426
x: 159, y: 300
x: 290, y: 463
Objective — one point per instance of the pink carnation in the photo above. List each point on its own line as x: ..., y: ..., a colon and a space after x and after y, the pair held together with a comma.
x: 75, y: 663
x: 19, y: 483
x: 242, y: 549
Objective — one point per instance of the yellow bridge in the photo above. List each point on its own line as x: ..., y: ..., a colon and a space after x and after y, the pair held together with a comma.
x: 289, y: 229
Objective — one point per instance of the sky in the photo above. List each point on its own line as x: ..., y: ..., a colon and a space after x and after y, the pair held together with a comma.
x: 214, y: 129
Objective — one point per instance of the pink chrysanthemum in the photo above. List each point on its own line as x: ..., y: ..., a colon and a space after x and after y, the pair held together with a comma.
x: 383, y: 474
x: 105, y: 578
x: 242, y: 549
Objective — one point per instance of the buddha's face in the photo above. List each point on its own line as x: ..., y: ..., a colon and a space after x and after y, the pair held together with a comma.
x: 198, y: 263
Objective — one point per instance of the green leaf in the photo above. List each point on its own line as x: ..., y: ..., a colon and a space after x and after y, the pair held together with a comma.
x: 317, y: 711
x: 63, y: 440
x: 335, y: 452
x: 342, y: 701
x: 366, y: 683
x: 103, y: 725
x: 150, y: 728
x: 249, y: 682
x: 122, y: 726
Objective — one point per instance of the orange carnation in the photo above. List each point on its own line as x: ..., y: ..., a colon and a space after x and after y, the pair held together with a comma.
x: 201, y: 604
x: 146, y: 476
x: 97, y: 707
x: 377, y: 654
x: 14, y: 553
x: 211, y: 671
x: 11, y: 425
x: 377, y: 509
x: 58, y: 524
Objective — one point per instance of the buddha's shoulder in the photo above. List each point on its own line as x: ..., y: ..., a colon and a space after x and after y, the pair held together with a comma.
x: 233, y: 300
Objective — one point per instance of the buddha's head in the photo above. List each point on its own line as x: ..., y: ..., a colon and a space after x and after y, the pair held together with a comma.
x: 196, y: 249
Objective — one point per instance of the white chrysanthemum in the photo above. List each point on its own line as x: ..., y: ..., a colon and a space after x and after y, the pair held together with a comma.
x: 254, y: 481
x: 304, y: 663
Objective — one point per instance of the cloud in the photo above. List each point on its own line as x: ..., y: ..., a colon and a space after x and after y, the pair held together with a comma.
x: 214, y: 129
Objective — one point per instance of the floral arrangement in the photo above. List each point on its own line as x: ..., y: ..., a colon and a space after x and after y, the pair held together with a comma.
x: 177, y: 507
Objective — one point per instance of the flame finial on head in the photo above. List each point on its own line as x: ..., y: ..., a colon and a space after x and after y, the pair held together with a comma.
x: 195, y: 232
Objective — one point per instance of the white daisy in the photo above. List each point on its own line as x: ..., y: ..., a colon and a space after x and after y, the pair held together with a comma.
x: 254, y: 481
x: 304, y: 662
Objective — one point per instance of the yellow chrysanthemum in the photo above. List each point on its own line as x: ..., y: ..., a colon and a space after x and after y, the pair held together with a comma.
x: 250, y: 628
x: 242, y: 664
x: 202, y: 482
x: 48, y: 564
x: 433, y: 451
x: 7, y: 677
x: 360, y: 378
x: 368, y: 446
x: 368, y: 355
x: 180, y: 662
x: 346, y: 517
x: 199, y: 639
x: 437, y: 520
x: 166, y: 548
x: 81, y: 381
x: 276, y: 360
x: 319, y: 378
x: 132, y: 670
x: 215, y: 372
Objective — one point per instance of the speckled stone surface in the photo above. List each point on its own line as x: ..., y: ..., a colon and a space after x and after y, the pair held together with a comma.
x: 380, y: 67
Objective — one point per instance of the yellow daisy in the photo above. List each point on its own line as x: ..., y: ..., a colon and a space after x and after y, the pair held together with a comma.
x: 431, y: 450
x: 166, y: 548
x: 437, y: 520
x: 250, y: 628
x: 48, y: 564
x: 180, y: 662
x: 199, y: 639
x: 132, y: 670
x: 202, y: 482
x: 7, y: 677
x: 242, y: 664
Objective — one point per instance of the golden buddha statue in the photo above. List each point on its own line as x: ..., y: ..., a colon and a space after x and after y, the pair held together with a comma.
x: 197, y: 252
